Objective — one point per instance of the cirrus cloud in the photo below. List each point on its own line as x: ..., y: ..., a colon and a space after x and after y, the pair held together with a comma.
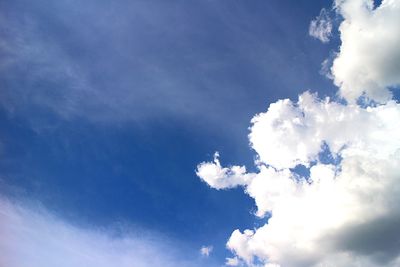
x: 36, y: 238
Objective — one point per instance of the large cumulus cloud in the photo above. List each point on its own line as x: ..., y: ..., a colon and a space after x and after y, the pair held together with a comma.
x: 343, y: 211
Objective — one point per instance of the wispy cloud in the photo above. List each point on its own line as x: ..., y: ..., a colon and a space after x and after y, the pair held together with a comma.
x: 206, y: 250
x: 88, y: 60
x: 34, y: 237
x: 321, y: 27
x: 136, y: 61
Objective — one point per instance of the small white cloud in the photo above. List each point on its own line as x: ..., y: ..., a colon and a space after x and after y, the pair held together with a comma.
x: 206, y: 250
x: 217, y: 177
x: 321, y: 27
x: 232, y: 261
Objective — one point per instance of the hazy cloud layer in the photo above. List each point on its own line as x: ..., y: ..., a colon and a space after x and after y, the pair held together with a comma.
x: 138, y: 60
x: 93, y: 60
x: 343, y: 210
x: 35, y: 238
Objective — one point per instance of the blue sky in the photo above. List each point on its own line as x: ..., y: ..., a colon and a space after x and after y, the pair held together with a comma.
x: 107, y: 108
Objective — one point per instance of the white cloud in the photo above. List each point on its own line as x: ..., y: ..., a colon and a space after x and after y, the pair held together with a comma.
x: 232, y: 261
x: 206, y: 250
x: 345, y: 213
x: 321, y: 27
x: 35, y: 238
x: 369, y: 56
x: 218, y: 177
x: 311, y: 218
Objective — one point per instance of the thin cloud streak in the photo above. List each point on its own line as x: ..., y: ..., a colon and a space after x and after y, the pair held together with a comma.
x: 36, y: 238
x: 137, y: 61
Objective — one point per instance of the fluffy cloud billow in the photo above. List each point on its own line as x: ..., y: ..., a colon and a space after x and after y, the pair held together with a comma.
x: 343, y: 211
x: 369, y: 58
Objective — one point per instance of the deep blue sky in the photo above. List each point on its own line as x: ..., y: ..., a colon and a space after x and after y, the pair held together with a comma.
x: 108, y: 106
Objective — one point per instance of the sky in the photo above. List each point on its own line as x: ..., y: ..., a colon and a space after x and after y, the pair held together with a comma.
x: 257, y: 133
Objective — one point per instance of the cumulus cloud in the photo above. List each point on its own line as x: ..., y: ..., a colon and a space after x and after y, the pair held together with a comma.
x: 312, y: 217
x: 35, y: 238
x: 369, y: 57
x: 343, y: 211
x: 219, y: 177
x: 321, y: 27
